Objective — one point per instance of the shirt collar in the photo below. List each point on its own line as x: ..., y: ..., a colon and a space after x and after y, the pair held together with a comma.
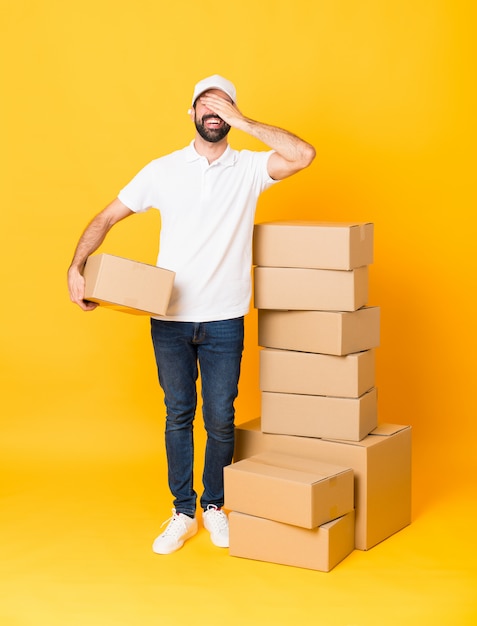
x: 227, y: 158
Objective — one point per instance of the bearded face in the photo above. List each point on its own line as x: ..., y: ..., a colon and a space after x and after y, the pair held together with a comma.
x: 211, y: 127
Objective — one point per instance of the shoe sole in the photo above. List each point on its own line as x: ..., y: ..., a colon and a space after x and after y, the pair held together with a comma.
x: 219, y: 544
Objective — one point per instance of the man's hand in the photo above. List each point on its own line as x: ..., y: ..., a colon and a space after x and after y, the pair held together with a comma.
x: 76, y: 288
x: 226, y: 110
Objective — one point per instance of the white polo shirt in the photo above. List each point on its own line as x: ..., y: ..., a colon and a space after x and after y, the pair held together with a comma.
x: 207, y: 216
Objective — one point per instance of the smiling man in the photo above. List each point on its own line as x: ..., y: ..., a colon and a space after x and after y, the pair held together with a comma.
x: 210, y: 126
x: 207, y: 195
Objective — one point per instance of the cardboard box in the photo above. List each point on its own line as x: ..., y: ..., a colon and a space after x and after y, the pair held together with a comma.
x: 319, y: 549
x: 325, y: 332
x: 382, y: 469
x: 298, y: 491
x: 128, y: 286
x: 320, y: 416
x: 287, y: 371
x: 313, y: 244
x: 285, y: 288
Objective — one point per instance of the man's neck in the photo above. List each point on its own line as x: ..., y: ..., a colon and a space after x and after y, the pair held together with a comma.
x: 211, y: 151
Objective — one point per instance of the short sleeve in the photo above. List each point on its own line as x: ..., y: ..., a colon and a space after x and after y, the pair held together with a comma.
x: 138, y: 193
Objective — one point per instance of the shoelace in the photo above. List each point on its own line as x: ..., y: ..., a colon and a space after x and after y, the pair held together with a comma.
x: 217, y: 517
x: 176, y: 526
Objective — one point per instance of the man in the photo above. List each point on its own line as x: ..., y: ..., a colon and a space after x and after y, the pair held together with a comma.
x: 207, y: 195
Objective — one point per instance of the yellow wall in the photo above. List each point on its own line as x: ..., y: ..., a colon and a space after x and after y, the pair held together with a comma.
x: 91, y: 91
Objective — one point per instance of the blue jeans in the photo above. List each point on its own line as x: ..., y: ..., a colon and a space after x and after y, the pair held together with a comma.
x: 181, y: 348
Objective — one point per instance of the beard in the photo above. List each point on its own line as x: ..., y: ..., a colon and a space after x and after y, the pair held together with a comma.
x: 212, y: 135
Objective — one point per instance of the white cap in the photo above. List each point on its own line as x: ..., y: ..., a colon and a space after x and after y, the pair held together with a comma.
x: 214, y: 82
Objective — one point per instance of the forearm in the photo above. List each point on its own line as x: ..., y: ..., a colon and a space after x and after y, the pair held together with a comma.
x: 291, y: 154
x: 96, y: 231
x: 288, y: 145
x: 89, y: 242
x: 92, y: 237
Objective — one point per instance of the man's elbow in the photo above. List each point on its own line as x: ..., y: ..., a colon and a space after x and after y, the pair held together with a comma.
x: 308, y: 156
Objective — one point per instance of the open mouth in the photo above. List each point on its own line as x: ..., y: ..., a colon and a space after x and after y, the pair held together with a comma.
x: 212, y: 121
x: 212, y: 127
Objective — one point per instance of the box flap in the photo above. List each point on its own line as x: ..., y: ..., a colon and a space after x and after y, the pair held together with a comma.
x: 278, y: 473
x: 288, y: 462
x: 374, y: 437
x: 308, y: 223
x: 386, y: 430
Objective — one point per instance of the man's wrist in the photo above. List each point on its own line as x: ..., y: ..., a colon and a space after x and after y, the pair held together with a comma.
x: 76, y: 267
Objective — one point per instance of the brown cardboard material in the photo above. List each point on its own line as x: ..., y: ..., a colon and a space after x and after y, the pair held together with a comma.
x: 382, y: 468
x: 285, y: 288
x: 325, y: 332
x: 313, y: 244
x: 320, y: 416
x: 319, y: 549
x: 294, y: 490
x: 287, y: 371
x: 127, y: 286
x: 250, y: 440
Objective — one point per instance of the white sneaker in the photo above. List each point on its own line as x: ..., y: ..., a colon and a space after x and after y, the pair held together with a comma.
x: 180, y: 528
x: 217, y: 523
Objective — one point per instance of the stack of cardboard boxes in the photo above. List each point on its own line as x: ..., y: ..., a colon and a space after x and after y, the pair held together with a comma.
x: 315, y: 476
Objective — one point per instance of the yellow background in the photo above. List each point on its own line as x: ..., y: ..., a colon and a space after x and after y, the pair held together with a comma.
x: 90, y: 92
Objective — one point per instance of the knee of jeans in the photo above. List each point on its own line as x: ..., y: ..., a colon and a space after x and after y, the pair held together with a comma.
x: 221, y: 430
x: 179, y: 420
